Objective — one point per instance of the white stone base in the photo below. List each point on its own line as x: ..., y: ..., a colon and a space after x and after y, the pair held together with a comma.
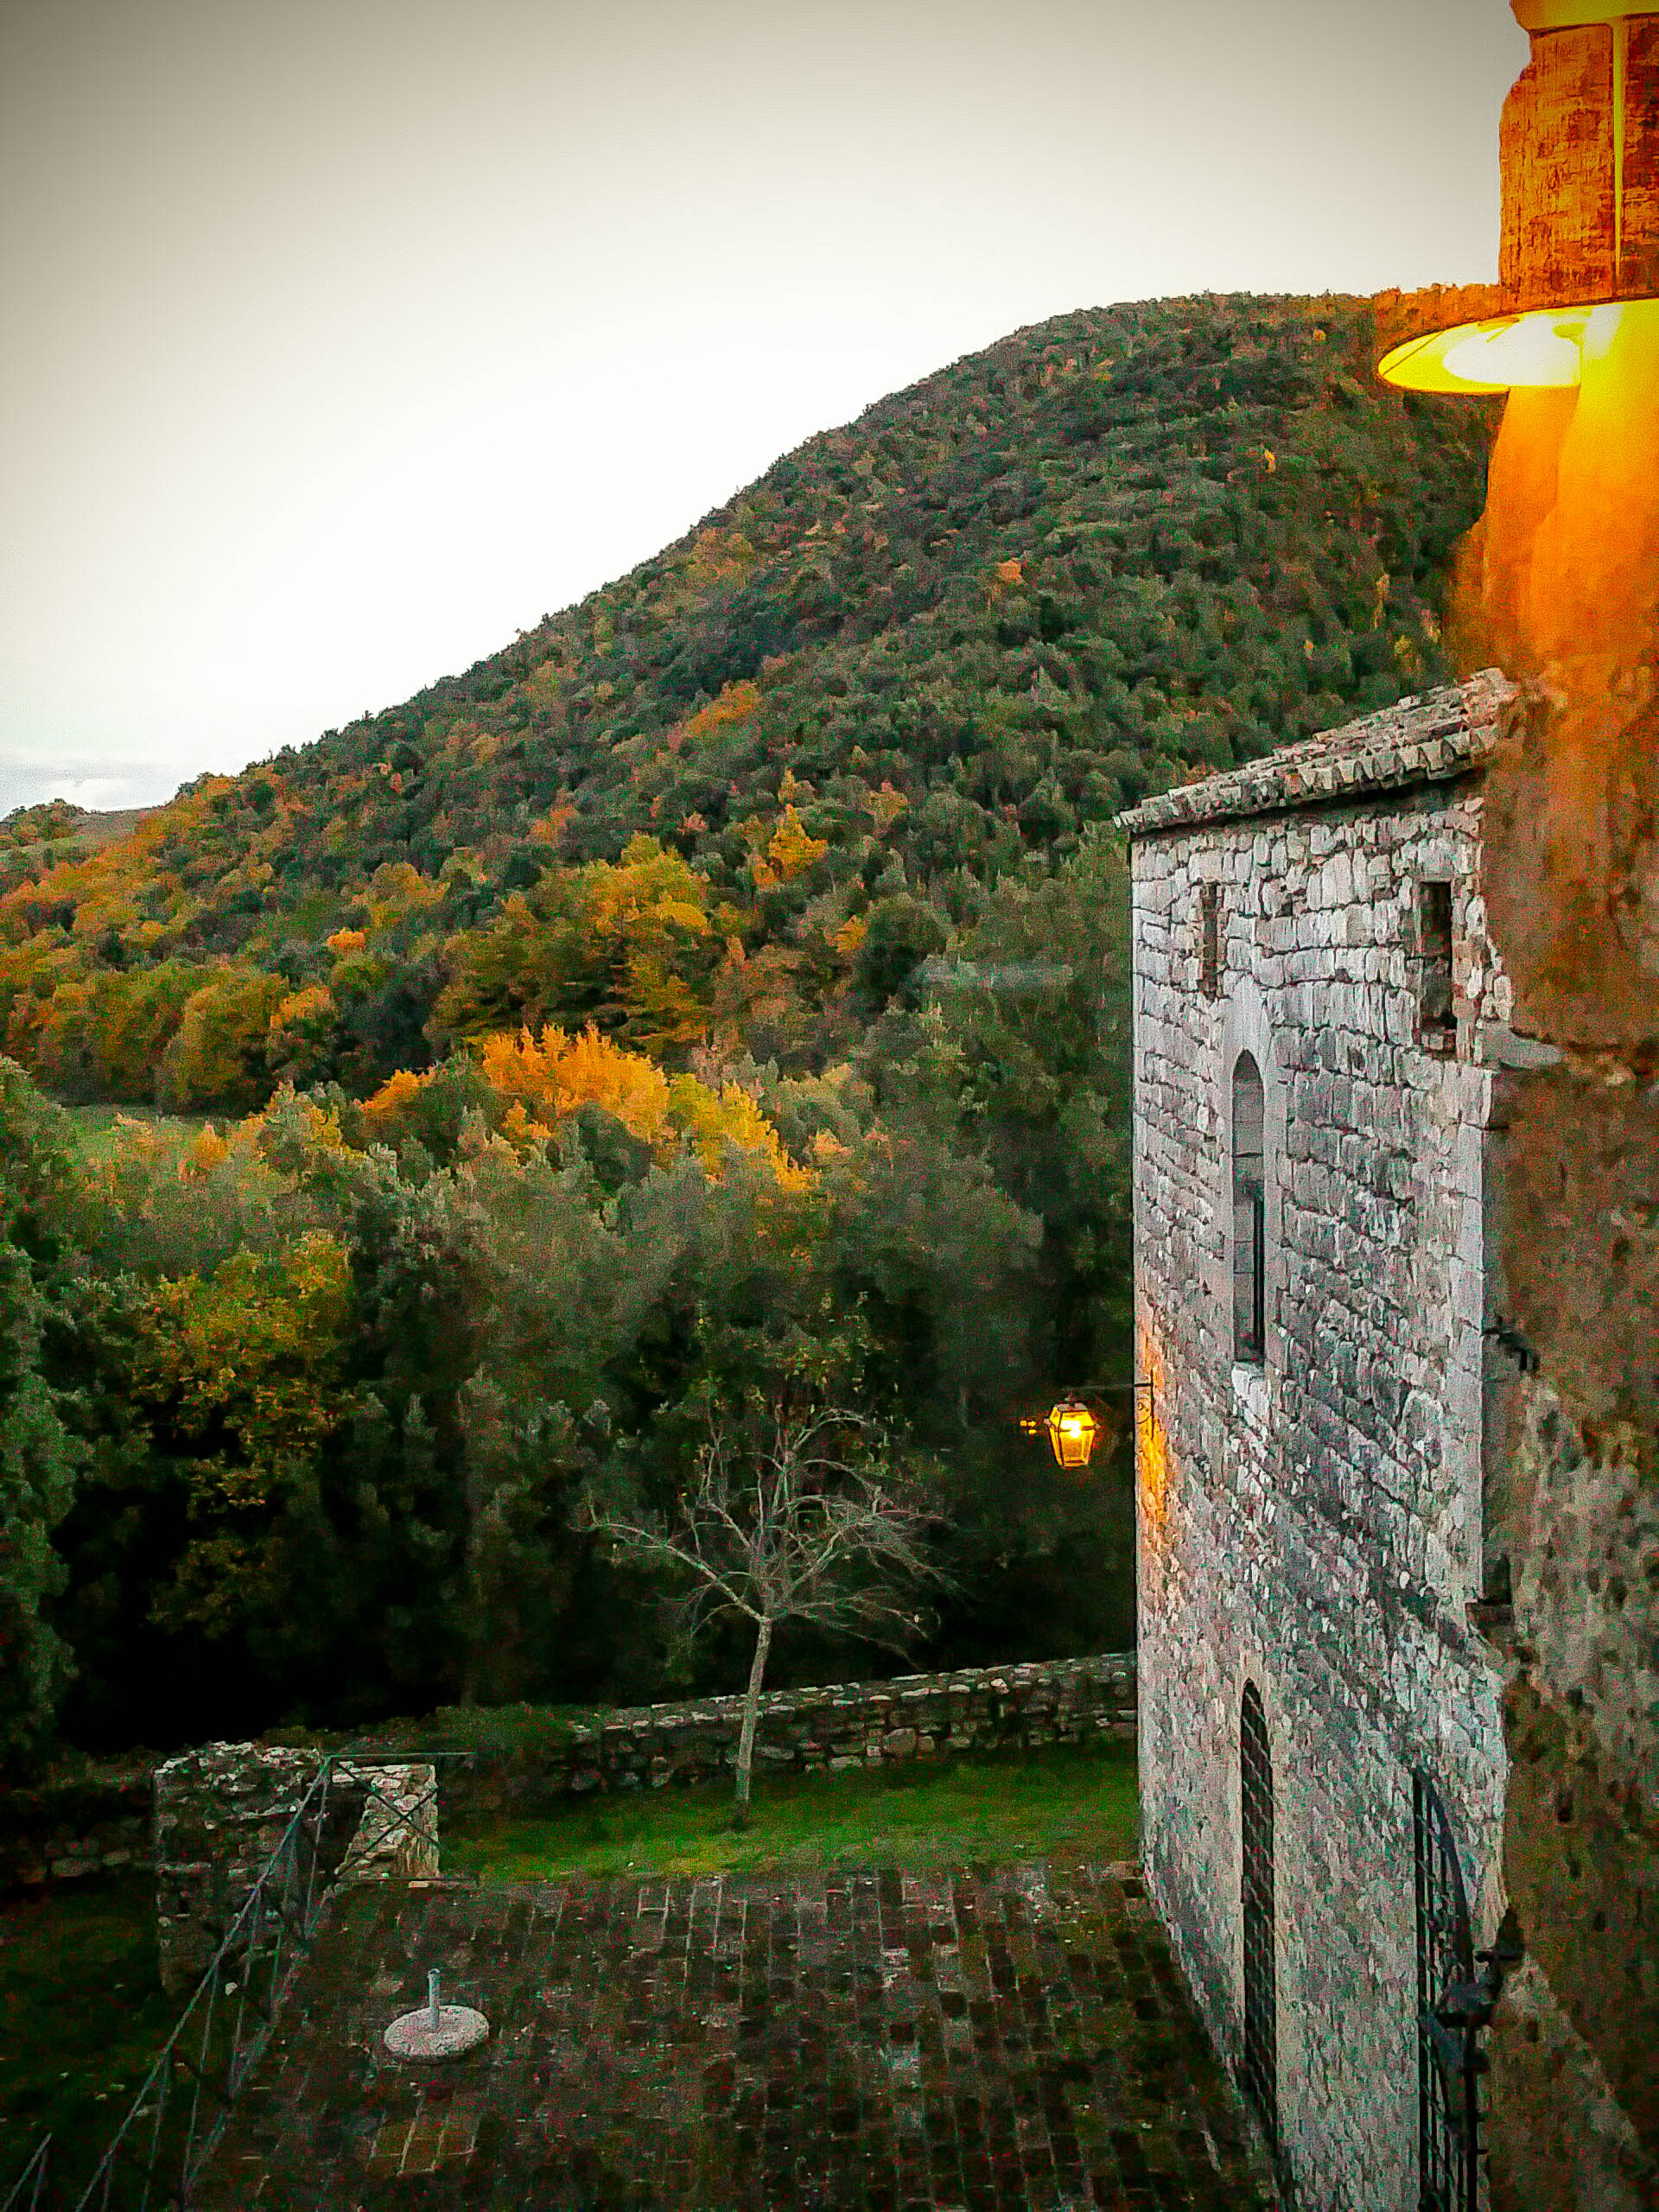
x: 460, y: 2029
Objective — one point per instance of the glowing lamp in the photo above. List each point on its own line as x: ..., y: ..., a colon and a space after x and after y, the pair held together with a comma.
x: 1546, y: 349
x: 1579, y: 143
x: 1073, y: 1432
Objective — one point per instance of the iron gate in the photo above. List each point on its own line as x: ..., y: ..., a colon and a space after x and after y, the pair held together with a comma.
x: 1448, y: 2113
x: 1259, y: 2067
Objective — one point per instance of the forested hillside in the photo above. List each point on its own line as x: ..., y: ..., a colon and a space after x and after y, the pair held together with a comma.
x: 1114, y: 549
x: 719, y: 993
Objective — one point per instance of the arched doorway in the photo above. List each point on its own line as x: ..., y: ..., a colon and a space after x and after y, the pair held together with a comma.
x: 1448, y: 2120
x: 1259, y: 2070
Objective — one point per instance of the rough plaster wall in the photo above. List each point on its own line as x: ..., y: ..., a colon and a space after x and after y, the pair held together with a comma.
x: 1575, y: 2076
x: 1570, y: 231
x: 1316, y: 1527
x: 1577, y: 2147
x: 1561, y: 585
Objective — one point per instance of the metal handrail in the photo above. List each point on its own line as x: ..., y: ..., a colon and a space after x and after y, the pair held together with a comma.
x: 174, y: 2123
x: 158, y: 2149
x: 32, y: 2178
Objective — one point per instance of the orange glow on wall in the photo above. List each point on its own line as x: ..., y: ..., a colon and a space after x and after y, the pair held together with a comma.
x: 1153, y: 1461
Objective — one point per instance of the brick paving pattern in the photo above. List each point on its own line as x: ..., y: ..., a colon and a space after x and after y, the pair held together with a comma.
x: 988, y: 2038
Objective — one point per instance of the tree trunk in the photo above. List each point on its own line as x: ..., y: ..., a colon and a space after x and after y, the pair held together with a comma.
x: 472, y: 1556
x: 751, y: 1714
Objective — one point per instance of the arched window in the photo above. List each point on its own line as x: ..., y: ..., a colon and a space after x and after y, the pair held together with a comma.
x: 1259, y: 2067
x: 1249, y: 1216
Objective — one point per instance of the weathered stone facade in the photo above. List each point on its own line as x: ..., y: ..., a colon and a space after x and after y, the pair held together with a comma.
x: 1317, y: 1509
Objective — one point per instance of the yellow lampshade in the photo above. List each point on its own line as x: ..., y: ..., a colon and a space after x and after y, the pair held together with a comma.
x: 1073, y: 1432
x: 1546, y: 349
x: 1579, y: 239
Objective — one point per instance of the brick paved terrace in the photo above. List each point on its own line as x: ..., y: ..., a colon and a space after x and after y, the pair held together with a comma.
x: 987, y: 2036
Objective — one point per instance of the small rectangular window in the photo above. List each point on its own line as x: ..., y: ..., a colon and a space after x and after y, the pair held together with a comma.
x: 1437, y: 1022
x: 1210, y: 940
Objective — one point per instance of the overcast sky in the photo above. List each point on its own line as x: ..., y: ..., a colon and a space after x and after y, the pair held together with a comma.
x: 343, y: 338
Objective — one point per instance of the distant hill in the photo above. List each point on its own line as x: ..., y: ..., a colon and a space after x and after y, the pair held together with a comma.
x: 732, y: 800
x: 55, y: 830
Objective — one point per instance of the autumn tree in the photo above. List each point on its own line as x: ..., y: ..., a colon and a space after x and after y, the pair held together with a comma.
x: 38, y: 1457
x: 219, y: 1056
x: 630, y: 945
x: 795, y: 1516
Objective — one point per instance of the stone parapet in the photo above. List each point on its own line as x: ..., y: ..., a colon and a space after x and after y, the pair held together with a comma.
x: 222, y: 1811
x: 843, y: 1725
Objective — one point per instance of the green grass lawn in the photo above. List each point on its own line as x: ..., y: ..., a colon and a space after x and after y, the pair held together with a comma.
x: 97, y: 1125
x: 1060, y: 1803
x: 81, y: 2016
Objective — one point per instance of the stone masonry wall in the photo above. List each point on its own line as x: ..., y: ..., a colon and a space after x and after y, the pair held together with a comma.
x: 845, y: 1725
x: 222, y: 1812
x: 1314, y: 1523
x: 64, y: 1831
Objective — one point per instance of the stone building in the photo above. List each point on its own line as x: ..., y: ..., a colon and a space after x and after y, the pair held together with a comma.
x: 1322, y: 1029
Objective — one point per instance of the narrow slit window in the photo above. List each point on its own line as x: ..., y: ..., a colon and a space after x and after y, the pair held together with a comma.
x: 1249, y: 1216
x: 1437, y: 1021
x: 1210, y: 940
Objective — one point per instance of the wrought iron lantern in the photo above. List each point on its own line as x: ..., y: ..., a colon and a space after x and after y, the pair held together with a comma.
x: 1071, y: 1425
x: 1073, y: 1433
x: 1580, y: 236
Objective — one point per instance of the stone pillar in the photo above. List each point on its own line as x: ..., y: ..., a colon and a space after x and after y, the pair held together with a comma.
x: 222, y: 1811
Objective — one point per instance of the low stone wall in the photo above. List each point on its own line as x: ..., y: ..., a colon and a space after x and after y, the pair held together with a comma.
x: 64, y: 1831
x: 847, y: 1725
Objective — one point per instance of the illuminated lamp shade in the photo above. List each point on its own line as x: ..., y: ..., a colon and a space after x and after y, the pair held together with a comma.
x: 1073, y: 1432
x: 1545, y: 349
x: 1580, y: 148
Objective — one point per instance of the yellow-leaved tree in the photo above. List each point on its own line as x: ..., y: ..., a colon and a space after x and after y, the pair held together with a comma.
x: 629, y: 944
x: 714, y: 1120
x: 552, y: 1074
x: 790, y: 851
x: 242, y: 1375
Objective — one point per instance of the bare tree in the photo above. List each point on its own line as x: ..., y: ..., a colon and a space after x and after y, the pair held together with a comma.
x: 790, y: 1519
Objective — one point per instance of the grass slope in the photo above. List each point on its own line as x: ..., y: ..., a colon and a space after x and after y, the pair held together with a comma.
x: 82, y: 2014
